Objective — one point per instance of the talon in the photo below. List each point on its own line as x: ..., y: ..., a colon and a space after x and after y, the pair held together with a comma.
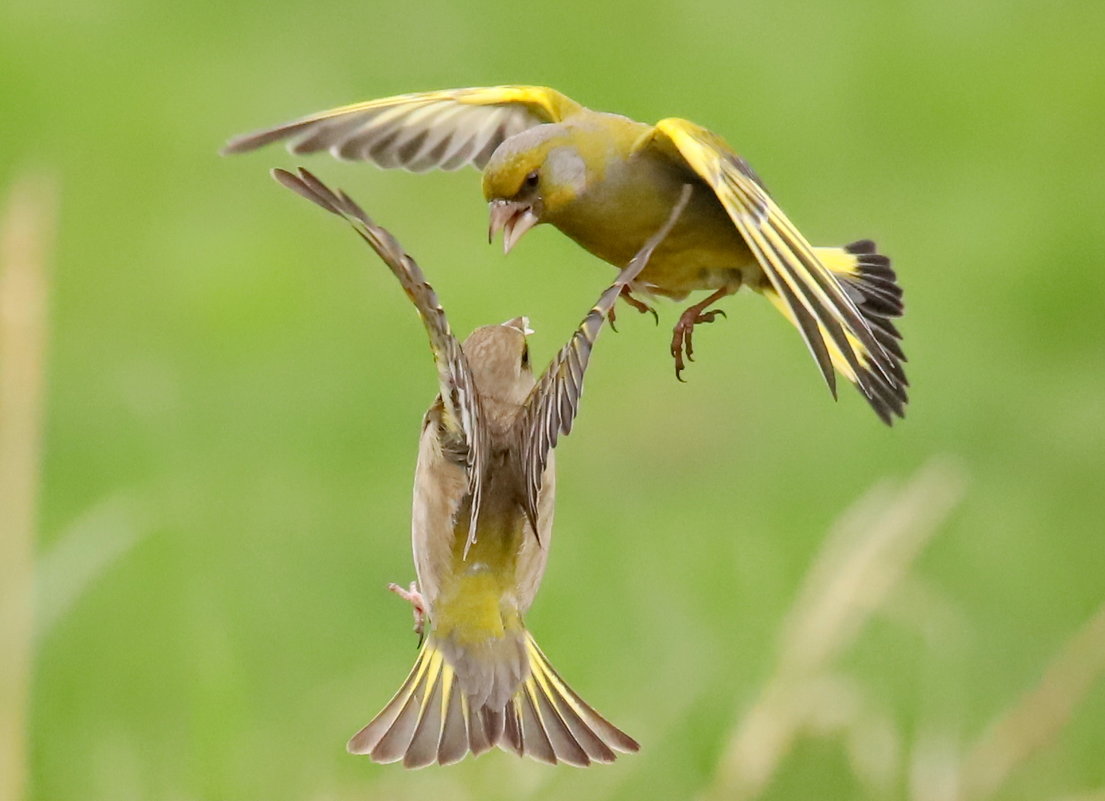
x: 610, y: 318
x: 679, y: 367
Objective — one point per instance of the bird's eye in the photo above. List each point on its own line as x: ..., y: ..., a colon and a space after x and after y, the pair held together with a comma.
x: 531, y: 180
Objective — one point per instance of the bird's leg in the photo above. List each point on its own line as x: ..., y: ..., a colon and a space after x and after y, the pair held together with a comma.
x: 684, y: 329
x: 417, y: 602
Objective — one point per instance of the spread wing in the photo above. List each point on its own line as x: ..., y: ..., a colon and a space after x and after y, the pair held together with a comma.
x: 830, y: 322
x: 463, y: 438
x: 423, y: 131
x: 552, y: 404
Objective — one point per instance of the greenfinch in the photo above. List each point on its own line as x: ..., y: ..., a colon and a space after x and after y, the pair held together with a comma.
x: 481, y: 527
x: 608, y: 182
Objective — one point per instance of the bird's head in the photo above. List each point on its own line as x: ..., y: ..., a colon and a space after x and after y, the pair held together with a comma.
x: 531, y: 178
x: 498, y: 356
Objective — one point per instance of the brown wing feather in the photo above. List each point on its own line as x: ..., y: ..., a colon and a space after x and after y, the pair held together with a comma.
x: 463, y: 437
x: 553, y: 403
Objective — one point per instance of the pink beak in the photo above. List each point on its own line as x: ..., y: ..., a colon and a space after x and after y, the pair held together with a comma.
x: 511, y: 217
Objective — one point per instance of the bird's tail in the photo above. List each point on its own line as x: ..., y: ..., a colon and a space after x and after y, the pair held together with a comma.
x: 867, y: 278
x: 432, y: 720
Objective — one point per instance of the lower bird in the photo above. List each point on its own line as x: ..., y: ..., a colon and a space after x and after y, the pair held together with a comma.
x: 608, y: 182
x: 481, y: 528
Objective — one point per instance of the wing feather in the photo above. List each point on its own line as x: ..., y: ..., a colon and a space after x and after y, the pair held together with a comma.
x: 553, y: 403
x: 418, y: 132
x: 462, y: 435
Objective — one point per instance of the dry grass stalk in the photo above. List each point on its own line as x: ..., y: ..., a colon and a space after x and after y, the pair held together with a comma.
x: 868, y: 553
x: 1037, y: 718
x: 26, y: 236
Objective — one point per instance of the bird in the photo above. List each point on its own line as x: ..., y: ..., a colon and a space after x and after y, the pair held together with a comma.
x: 481, y: 527
x: 608, y: 182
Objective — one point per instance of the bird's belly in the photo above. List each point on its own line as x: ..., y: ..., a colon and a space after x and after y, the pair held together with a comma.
x: 701, y: 257
x: 676, y: 274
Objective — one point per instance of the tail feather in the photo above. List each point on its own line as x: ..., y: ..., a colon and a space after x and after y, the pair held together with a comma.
x: 423, y: 746
x: 867, y: 278
x: 455, y: 739
x: 431, y: 719
x: 564, y: 744
x: 485, y: 728
x: 596, y: 735
x: 367, y: 739
x: 535, y: 737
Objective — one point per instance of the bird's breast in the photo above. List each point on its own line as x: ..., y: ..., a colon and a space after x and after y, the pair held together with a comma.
x: 614, y: 219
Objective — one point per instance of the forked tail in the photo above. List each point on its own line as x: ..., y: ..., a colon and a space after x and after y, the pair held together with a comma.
x: 431, y: 720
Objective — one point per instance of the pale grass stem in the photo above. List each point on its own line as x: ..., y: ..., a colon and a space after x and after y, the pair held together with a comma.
x: 26, y: 240
x: 1035, y: 720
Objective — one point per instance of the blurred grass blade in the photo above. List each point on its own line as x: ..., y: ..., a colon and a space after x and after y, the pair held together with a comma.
x: 867, y: 555
x: 869, y: 551
x: 1037, y: 718
x: 26, y: 239
x: 82, y: 553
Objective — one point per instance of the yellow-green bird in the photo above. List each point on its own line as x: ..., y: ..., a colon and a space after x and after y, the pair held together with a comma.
x: 608, y: 182
x: 481, y: 527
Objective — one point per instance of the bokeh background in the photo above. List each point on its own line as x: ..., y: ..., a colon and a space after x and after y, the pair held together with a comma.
x: 235, y: 387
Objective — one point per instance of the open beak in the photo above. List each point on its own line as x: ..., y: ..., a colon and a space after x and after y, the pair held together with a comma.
x: 511, y: 217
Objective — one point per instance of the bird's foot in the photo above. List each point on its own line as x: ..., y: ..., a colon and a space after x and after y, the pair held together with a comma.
x: 636, y: 303
x: 639, y: 305
x: 682, y: 336
x: 417, y: 602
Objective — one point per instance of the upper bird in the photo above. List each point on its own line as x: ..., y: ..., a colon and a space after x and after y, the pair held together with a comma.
x: 609, y: 182
x: 481, y: 526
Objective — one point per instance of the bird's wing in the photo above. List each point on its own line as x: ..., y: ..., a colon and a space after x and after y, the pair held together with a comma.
x: 463, y: 437
x: 823, y: 311
x: 421, y: 131
x: 552, y: 404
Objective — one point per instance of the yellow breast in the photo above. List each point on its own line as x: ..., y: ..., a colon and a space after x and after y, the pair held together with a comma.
x: 628, y: 202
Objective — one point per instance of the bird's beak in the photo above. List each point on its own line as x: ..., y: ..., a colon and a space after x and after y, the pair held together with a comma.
x: 513, y: 218
x: 519, y: 323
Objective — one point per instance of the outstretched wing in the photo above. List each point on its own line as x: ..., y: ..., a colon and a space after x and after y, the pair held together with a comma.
x: 462, y: 436
x: 552, y: 404
x: 422, y: 131
x: 830, y: 322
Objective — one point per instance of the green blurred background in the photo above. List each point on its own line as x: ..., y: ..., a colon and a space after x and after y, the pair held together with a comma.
x: 236, y: 384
